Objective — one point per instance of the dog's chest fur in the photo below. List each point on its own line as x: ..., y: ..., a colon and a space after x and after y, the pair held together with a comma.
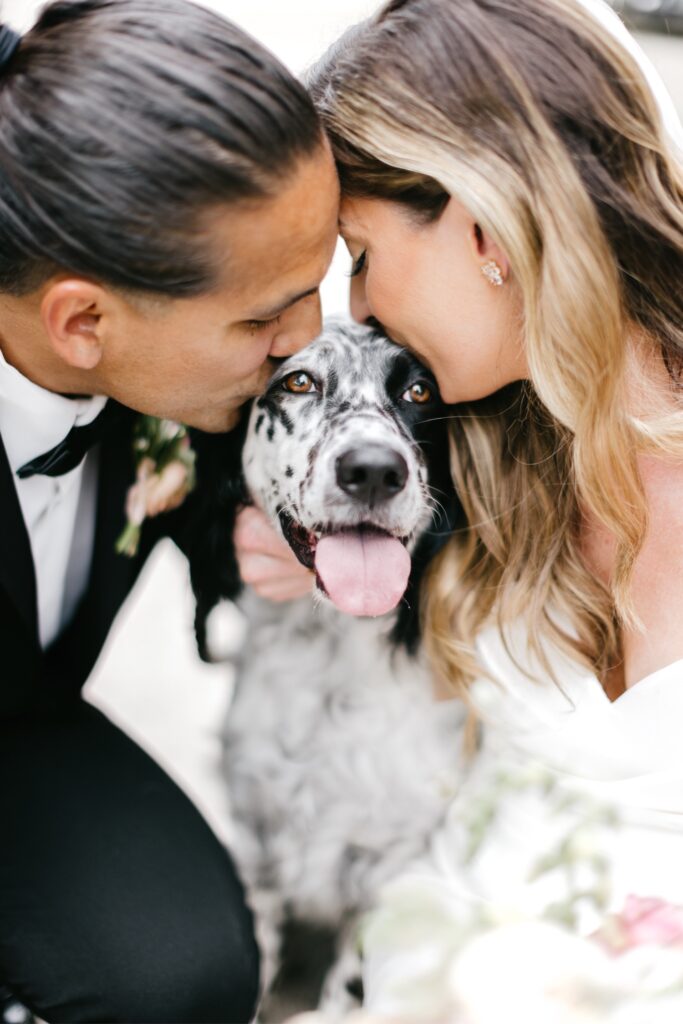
x: 340, y: 764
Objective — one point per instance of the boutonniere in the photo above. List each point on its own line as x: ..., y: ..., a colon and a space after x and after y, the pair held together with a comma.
x: 165, y: 475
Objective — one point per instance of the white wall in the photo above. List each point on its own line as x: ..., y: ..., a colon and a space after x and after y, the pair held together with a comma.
x: 297, y: 30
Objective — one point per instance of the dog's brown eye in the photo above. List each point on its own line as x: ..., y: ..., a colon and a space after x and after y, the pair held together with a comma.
x: 299, y: 384
x: 418, y: 393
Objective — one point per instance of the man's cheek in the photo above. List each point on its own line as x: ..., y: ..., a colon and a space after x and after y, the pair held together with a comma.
x: 232, y: 418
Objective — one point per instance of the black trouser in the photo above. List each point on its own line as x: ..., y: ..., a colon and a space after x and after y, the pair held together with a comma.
x: 117, y: 902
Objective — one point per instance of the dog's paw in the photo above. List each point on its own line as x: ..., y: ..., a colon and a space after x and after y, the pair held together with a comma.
x: 342, y: 990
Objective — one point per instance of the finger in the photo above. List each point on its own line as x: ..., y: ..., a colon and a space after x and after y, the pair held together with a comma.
x: 259, y: 568
x: 255, y: 532
x: 287, y: 590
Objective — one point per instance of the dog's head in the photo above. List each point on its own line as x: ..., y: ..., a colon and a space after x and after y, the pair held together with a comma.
x: 347, y: 452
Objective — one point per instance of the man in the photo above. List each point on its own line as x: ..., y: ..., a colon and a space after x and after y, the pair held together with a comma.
x: 167, y: 211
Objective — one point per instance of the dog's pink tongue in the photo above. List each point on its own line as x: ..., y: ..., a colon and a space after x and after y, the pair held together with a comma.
x: 363, y: 573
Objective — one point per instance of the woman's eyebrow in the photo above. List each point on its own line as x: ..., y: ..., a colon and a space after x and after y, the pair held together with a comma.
x: 349, y: 231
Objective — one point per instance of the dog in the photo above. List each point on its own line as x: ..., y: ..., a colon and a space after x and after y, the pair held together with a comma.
x: 340, y: 764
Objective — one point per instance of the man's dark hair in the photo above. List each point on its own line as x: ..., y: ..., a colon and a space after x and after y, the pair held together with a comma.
x: 122, y: 122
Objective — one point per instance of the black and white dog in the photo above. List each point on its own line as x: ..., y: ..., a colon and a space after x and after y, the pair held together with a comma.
x: 339, y: 762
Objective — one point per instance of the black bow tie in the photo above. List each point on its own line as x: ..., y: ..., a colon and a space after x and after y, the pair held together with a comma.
x: 72, y: 450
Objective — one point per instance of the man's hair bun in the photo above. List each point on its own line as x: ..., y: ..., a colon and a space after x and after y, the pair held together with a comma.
x: 9, y: 44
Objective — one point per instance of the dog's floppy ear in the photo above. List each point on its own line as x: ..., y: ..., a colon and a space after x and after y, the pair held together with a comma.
x: 210, y: 550
x: 448, y: 516
x: 407, y: 630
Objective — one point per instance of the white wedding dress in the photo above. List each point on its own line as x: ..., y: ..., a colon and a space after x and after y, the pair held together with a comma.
x: 568, y: 793
x: 626, y: 754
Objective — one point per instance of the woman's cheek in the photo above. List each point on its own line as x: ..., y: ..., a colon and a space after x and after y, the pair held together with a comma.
x: 384, y: 301
x: 358, y: 300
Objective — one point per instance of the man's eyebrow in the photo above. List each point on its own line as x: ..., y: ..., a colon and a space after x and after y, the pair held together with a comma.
x: 282, y: 306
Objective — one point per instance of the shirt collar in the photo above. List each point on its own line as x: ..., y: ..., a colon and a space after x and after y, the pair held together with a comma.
x: 33, y: 420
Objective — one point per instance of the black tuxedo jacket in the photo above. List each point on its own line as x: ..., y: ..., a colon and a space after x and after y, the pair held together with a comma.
x: 33, y: 679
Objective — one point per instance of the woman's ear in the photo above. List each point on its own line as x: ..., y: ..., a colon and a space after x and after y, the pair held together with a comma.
x: 486, y: 251
x: 71, y: 311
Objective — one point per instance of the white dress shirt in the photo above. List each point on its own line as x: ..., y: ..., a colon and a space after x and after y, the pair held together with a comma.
x: 59, y: 512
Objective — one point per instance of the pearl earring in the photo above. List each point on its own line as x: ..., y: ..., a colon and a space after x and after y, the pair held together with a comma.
x: 493, y: 273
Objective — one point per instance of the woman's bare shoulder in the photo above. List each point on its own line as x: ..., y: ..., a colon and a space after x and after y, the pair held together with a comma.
x: 658, y: 576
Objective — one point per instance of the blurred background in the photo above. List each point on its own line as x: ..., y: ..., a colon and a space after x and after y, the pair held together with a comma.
x: 149, y: 678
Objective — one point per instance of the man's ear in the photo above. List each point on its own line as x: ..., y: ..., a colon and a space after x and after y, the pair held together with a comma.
x: 71, y: 310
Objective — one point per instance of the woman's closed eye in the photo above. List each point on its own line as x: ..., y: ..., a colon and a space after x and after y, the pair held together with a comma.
x: 360, y: 264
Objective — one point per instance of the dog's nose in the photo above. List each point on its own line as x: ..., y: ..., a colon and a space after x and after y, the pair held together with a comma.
x: 372, y: 474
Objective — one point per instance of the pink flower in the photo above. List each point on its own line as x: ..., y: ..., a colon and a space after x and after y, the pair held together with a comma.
x: 154, y: 493
x: 136, y: 500
x: 168, y: 489
x: 644, y: 921
x: 652, y: 921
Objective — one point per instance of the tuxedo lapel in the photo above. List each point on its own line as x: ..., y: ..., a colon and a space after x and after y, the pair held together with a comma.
x: 17, y: 573
x: 111, y: 574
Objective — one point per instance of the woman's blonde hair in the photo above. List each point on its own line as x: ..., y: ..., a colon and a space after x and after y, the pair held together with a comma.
x: 541, y: 124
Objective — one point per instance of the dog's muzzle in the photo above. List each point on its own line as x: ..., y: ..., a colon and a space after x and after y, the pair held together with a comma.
x: 372, y: 475
x: 364, y: 570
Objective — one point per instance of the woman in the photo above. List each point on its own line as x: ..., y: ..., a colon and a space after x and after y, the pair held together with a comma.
x: 513, y: 202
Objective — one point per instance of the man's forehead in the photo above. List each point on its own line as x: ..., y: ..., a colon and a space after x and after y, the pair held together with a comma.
x: 267, y: 243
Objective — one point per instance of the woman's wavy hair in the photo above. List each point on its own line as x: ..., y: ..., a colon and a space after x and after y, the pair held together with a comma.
x: 543, y: 125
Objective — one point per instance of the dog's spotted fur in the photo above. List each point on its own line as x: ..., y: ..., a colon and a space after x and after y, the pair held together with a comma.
x: 294, y: 441
x: 339, y: 764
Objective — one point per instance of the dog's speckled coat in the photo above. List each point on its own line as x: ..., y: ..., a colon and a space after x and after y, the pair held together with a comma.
x: 339, y: 762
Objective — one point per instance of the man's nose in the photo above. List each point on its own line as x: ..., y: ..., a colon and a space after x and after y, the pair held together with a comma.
x: 303, y: 323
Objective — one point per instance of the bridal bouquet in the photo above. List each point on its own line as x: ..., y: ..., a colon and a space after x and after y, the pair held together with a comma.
x: 435, y: 953
x: 434, y: 966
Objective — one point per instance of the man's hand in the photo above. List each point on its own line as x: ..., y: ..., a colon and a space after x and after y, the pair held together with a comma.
x: 266, y: 561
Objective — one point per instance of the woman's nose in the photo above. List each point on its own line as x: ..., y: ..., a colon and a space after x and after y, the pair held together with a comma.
x: 302, y: 324
x: 358, y: 302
